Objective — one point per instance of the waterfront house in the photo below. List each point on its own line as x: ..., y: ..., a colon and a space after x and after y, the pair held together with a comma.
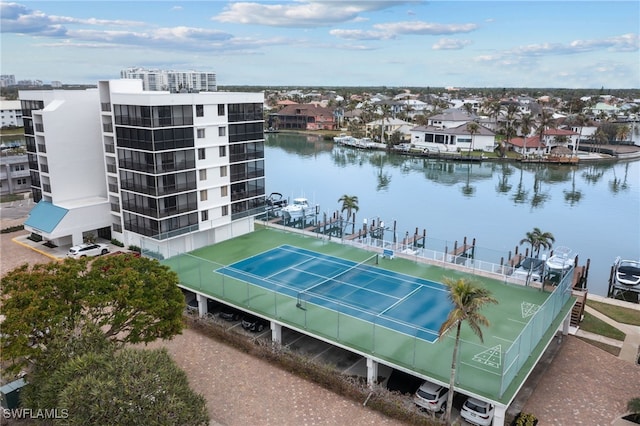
x: 455, y: 139
x: 305, y: 117
x: 531, y: 146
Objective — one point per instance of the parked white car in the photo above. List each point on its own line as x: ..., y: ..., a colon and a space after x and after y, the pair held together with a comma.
x: 477, y: 412
x: 88, y: 250
x: 431, y: 397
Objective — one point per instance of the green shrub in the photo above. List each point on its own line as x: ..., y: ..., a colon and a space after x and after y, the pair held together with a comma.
x: 526, y: 419
x: 12, y: 229
x: 116, y: 243
x: 35, y: 237
x: 135, y: 248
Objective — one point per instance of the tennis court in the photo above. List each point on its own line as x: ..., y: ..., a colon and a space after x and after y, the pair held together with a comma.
x: 400, y: 302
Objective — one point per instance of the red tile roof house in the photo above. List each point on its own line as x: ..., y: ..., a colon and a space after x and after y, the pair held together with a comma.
x: 531, y: 146
x: 306, y: 117
x: 552, y: 139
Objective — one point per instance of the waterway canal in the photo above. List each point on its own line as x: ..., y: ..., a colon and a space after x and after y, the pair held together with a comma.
x: 593, y: 208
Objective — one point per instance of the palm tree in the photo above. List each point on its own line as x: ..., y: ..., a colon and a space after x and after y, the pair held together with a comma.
x: 538, y: 240
x: 349, y: 203
x: 467, y: 300
x: 546, y: 122
x: 385, y: 113
x: 473, y: 128
x: 509, y: 127
x: 581, y: 121
x: 525, y: 127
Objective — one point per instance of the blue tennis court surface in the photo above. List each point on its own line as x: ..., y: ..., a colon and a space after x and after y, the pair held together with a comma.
x: 403, y: 303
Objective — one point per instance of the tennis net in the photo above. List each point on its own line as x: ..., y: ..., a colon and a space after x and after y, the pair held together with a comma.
x: 325, y: 286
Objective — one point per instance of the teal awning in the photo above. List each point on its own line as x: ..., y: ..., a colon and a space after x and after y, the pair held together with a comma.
x: 45, y: 216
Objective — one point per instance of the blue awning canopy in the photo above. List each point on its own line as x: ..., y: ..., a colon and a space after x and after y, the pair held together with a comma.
x: 45, y: 216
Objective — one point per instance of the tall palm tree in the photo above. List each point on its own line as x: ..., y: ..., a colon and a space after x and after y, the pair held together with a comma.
x: 467, y: 301
x: 349, y: 203
x: 385, y: 113
x: 526, y: 121
x: 546, y: 122
x: 538, y: 240
x: 581, y: 121
x: 473, y: 128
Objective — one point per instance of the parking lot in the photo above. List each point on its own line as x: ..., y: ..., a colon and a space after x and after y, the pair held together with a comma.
x: 344, y: 361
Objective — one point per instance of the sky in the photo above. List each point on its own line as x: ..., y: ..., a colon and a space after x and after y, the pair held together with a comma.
x: 546, y: 44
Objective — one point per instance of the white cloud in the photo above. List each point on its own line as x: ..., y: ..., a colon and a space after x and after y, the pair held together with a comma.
x: 450, y: 44
x: 299, y: 14
x: 361, y: 35
x: 421, y: 27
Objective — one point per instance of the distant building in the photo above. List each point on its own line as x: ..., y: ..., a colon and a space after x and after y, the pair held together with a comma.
x: 56, y: 84
x: 10, y: 114
x: 173, y: 81
x: 14, y: 173
x: 36, y: 83
x: 7, y: 80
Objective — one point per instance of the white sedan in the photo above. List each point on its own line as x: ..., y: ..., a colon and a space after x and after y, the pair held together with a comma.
x: 84, y: 250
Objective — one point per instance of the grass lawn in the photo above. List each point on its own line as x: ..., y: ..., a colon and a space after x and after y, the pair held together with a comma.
x: 597, y: 326
x: 617, y: 313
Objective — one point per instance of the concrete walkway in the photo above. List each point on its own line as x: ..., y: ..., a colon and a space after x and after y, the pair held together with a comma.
x: 630, y: 348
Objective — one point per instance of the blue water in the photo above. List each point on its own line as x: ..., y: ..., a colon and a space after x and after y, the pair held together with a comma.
x: 593, y: 208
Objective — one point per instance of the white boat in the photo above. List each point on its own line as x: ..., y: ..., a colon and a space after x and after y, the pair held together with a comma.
x: 298, y: 209
x: 341, y: 138
x: 627, y: 272
x: 561, y: 260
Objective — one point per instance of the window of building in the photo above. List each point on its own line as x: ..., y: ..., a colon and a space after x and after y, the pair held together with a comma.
x: 204, y: 215
x: 221, y: 109
x: 199, y: 110
x: 201, y: 154
x: 223, y: 171
x: 200, y: 133
x: 223, y: 151
x: 203, y: 174
x: 225, y: 210
x: 203, y: 195
x: 222, y: 131
x: 224, y: 191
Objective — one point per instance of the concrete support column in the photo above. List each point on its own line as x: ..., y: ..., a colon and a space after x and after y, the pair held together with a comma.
x: 276, y: 333
x: 372, y: 372
x: 202, y: 304
x: 499, y: 415
x: 565, y: 324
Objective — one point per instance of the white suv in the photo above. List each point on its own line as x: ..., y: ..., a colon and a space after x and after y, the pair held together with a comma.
x: 477, y: 412
x: 431, y: 397
x: 84, y: 250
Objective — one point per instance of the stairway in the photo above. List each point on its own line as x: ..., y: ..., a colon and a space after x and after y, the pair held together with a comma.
x: 578, y: 309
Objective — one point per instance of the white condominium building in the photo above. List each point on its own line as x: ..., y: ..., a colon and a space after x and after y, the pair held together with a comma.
x: 173, y: 81
x: 168, y: 172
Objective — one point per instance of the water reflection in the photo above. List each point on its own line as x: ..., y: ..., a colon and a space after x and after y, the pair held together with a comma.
x: 618, y: 185
x: 532, y: 186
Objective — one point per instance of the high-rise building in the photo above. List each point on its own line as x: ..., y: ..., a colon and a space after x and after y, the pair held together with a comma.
x: 7, y: 80
x: 162, y: 171
x: 173, y: 81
